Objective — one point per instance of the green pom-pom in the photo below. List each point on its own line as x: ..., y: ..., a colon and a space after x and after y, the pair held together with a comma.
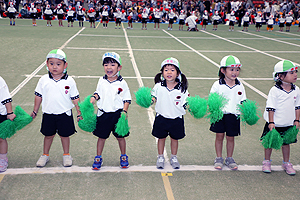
x: 216, y: 103
x: 272, y: 140
x: 122, y: 127
x: 143, y: 97
x: 22, y: 118
x: 290, y: 135
x: 88, y: 123
x: 249, y: 112
x: 197, y: 106
x: 7, y: 129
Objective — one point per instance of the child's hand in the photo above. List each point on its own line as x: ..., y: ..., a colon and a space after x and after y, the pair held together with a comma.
x: 11, y: 117
x: 33, y: 114
x: 297, y: 124
x: 271, y: 126
x: 79, y: 117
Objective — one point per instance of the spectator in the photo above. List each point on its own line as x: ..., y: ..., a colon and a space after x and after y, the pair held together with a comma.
x: 24, y: 12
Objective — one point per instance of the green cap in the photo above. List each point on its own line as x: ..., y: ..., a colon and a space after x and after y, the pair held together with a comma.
x: 57, y: 53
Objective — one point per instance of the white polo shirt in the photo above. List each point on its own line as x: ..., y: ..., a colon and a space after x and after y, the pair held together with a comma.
x: 57, y: 96
x: 169, y: 103
x: 283, y: 104
x: 112, y: 95
x: 4, y: 96
x: 235, y: 95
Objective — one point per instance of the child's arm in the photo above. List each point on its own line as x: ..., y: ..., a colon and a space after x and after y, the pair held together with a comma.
x: 75, y: 102
x: 95, y: 97
x: 271, y: 120
x: 36, y: 107
x: 296, y: 122
x: 10, y: 114
x: 126, y: 106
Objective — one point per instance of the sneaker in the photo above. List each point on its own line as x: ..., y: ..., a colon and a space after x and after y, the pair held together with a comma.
x: 3, y: 165
x: 230, y: 163
x: 160, y: 163
x: 174, y: 163
x: 219, y: 163
x: 288, y: 168
x: 266, y: 166
x: 97, y: 163
x: 67, y: 160
x: 42, y: 161
x: 124, y: 161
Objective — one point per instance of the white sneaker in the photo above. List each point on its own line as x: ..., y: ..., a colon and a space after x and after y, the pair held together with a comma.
x: 67, y: 161
x: 42, y: 161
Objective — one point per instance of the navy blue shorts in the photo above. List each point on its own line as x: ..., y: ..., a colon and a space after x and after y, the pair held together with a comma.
x: 3, y: 118
x: 61, y: 124
x: 281, y: 131
x: 106, y: 123
x: 163, y: 127
x: 229, y: 124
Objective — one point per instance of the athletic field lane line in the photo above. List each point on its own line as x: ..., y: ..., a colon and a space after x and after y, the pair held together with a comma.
x: 288, y: 33
x: 23, y: 83
x: 256, y: 50
x: 217, y: 65
x: 1, y: 177
x: 166, y: 181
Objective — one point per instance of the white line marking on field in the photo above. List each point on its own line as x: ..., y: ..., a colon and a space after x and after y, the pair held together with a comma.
x: 256, y: 50
x: 23, y: 83
x: 288, y: 33
x: 214, y: 63
x: 134, y: 168
x: 267, y: 38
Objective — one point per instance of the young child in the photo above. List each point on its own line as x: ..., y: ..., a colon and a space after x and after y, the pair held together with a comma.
x: 144, y: 19
x: 6, y: 112
x: 70, y: 15
x: 80, y: 15
x: 270, y: 23
x: 191, y: 22
x: 282, y: 110
x: 113, y: 97
x: 105, y: 16
x: 216, y: 18
x: 12, y: 14
x: 289, y: 19
x: 91, y: 14
x: 130, y: 15
x: 204, y: 19
x: 157, y: 18
x: 281, y: 22
x: 48, y: 15
x: 245, y: 21
x: 233, y: 90
x: 181, y: 17
x: 232, y: 20
x: 118, y: 18
x: 33, y: 14
x: 169, y: 93
x: 258, y: 22
x: 57, y: 92
x: 171, y: 19
x: 60, y: 14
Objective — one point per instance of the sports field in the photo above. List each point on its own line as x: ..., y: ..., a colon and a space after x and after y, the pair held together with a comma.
x: 22, y: 62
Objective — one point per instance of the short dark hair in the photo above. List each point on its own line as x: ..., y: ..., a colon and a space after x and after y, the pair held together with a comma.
x: 109, y: 60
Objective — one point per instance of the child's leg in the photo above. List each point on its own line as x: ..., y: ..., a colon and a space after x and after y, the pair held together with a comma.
x: 286, y: 153
x: 100, y: 146
x: 47, y: 143
x: 219, y: 143
x: 161, y: 146
x: 65, y: 141
x: 229, y: 145
x: 3, y: 146
x: 268, y: 153
x: 174, y: 146
x: 122, y: 145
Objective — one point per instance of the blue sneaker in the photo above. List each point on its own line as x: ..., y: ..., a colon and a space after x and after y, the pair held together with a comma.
x: 97, y: 163
x: 124, y: 161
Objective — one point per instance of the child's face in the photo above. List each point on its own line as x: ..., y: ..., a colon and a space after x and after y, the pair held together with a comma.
x: 56, y: 66
x: 231, y: 73
x: 169, y: 73
x: 111, y: 69
x: 291, y: 77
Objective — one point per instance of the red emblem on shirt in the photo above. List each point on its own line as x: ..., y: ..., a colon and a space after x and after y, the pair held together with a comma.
x: 120, y: 90
x: 239, y: 93
x: 67, y: 87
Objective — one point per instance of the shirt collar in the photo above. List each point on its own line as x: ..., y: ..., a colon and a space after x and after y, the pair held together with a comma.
x: 164, y: 83
x: 65, y: 76
x: 222, y: 81
x: 280, y: 87
x: 120, y: 78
